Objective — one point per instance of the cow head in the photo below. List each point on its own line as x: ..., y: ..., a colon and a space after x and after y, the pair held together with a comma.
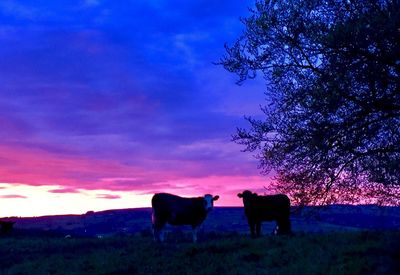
x: 246, y: 196
x: 209, y: 201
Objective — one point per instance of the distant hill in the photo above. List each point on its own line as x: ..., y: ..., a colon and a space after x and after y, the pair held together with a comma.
x: 221, y: 219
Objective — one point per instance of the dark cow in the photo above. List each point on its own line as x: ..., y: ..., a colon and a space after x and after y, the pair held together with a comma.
x: 6, y: 226
x: 266, y: 208
x: 175, y: 210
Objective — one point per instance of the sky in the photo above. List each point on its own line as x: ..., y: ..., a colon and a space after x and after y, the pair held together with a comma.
x: 104, y: 103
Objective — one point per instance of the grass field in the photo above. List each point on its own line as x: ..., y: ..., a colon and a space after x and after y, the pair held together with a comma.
x: 360, y: 252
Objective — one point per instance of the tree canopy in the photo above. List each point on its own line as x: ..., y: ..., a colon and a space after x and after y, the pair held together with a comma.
x: 331, y: 129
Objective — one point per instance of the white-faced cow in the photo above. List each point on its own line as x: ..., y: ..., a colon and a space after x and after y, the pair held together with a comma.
x: 266, y: 208
x: 175, y: 210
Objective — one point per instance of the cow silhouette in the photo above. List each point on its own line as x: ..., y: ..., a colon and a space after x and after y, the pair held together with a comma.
x: 176, y: 210
x: 266, y: 208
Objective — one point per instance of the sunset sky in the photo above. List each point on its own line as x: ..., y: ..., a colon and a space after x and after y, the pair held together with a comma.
x: 104, y: 103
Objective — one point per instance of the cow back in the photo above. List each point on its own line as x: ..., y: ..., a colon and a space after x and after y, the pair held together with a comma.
x: 267, y: 208
x: 177, y: 210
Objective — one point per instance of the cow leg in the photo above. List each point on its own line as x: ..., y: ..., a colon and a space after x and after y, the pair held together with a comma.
x: 289, y: 226
x: 194, y: 234
x: 158, y: 226
x: 252, y: 226
x: 158, y: 233
x: 279, y: 226
x: 161, y: 235
x: 284, y: 226
x: 154, y: 221
x: 258, y: 229
x: 276, y: 230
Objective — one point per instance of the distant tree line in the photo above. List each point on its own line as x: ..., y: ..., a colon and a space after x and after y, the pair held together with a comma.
x: 331, y: 128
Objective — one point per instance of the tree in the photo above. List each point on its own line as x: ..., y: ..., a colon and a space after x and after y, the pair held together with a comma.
x: 332, y: 118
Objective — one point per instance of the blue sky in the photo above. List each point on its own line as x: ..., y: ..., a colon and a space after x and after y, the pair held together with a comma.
x: 122, y: 96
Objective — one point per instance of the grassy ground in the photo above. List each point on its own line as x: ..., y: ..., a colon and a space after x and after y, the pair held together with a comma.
x: 333, y: 253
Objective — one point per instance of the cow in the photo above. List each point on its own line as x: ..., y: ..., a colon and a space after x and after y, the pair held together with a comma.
x: 176, y: 210
x: 266, y: 208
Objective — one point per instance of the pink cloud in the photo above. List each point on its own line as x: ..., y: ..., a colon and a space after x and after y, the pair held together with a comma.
x: 12, y: 197
x: 38, y: 167
x: 64, y: 190
x: 108, y: 196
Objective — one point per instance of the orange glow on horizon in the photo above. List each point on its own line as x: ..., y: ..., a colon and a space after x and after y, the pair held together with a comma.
x: 23, y: 200
x: 38, y: 201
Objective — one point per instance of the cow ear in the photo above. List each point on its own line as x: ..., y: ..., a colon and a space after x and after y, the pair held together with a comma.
x: 215, y: 198
x: 240, y: 195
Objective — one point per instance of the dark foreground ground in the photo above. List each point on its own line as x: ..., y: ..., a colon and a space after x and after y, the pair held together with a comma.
x: 358, y: 252
x: 338, y: 240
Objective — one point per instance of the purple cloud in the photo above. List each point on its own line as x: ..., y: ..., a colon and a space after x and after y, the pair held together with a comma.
x: 108, y: 196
